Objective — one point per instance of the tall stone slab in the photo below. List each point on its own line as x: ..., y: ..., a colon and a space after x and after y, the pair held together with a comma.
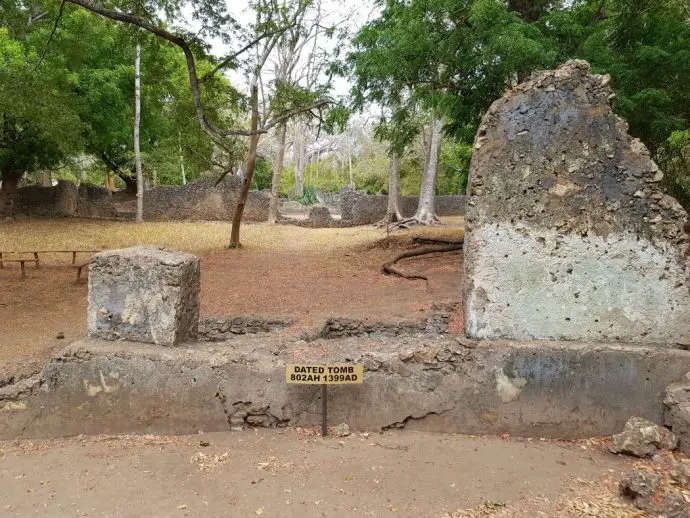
x: 144, y: 294
x: 568, y: 235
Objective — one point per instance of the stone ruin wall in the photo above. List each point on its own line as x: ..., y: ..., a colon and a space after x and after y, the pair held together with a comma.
x: 95, y: 202
x: 204, y: 201
x: 357, y: 208
x: 568, y: 235
x: 58, y: 201
x: 197, y: 201
x: 201, y: 200
x: 6, y: 206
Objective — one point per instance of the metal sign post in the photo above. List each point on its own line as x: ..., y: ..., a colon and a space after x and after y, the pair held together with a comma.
x: 324, y: 410
x: 324, y: 375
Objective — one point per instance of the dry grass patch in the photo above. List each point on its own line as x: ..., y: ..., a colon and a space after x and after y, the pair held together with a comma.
x: 75, y: 234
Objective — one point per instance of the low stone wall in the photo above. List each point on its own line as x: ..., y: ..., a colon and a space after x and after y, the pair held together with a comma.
x: 330, y: 199
x: 95, y: 202
x: 5, y: 205
x: 202, y: 200
x: 59, y: 201
x: 357, y: 208
x: 443, y: 384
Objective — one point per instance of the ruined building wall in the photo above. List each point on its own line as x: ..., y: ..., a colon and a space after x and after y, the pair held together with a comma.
x: 357, y: 208
x: 58, y: 201
x: 568, y: 235
x: 94, y: 201
x: 200, y: 200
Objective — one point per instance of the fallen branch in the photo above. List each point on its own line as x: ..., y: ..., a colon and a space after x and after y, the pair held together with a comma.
x: 389, y: 268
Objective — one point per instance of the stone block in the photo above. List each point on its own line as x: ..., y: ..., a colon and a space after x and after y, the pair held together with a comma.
x: 144, y: 294
x: 568, y: 235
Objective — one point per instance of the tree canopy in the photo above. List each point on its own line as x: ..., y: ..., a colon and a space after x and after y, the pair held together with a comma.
x: 458, y: 56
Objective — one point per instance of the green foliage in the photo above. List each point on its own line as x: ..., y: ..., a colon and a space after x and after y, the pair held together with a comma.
x: 443, y: 54
x: 674, y: 160
x: 287, y: 181
x: 308, y: 196
x: 325, y: 176
x: 263, y: 174
x: 644, y: 45
x: 373, y: 183
x: 459, y: 56
x: 81, y: 97
x: 453, y: 168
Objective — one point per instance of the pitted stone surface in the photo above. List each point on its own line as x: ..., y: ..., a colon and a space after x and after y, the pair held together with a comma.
x: 567, y: 233
x: 435, y: 383
x: 144, y: 294
x: 677, y: 411
x: 319, y: 216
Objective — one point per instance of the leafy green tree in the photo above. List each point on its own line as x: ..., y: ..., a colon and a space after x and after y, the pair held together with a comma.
x: 38, y: 125
x: 450, y: 57
x: 458, y: 56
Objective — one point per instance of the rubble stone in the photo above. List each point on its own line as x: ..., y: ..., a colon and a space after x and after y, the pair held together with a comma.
x: 642, y: 438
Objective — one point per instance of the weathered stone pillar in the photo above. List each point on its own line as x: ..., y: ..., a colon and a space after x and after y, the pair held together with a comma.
x: 568, y: 235
x: 144, y: 294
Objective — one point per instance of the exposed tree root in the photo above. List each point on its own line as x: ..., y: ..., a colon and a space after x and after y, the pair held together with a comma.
x: 435, y: 241
x: 428, y: 219
x: 390, y: 269
x: 389, y: 219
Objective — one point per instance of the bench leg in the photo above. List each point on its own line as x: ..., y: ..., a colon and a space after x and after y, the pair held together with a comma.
x: 2, y: 265
x: 21, y: 264
x: 79, y: 274
x: 36, y: 257
x: 74, y: 257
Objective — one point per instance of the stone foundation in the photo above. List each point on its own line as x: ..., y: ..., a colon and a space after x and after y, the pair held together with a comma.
x: 443, y: 384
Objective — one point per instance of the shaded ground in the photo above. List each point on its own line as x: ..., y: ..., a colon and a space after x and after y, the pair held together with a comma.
x: 293, y: 473
x: 307, y: 274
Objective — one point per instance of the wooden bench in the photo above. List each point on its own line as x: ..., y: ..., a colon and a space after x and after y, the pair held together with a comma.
x: 21, y: 264
x: 79, y: 268
x: 36, y: 252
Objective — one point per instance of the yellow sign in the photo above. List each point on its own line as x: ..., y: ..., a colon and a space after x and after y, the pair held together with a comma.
x: 324, y: 374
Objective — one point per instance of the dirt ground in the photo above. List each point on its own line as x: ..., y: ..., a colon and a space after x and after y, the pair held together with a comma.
x: 307, y: 274
x: 285, y: 473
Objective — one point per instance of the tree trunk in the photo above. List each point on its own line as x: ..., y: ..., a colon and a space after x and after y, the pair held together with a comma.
x: 426, y: 137
x: 277, y: 171
x: 10, y: 180
x: 248, y: 171
x: 47, y: 179
x: 393, y: 212
x: 130, y: 181
x: 299, y: 168
x: 179, y: 141
x: 352, y: 178
x: 137, y: 122
x: 426, y: 211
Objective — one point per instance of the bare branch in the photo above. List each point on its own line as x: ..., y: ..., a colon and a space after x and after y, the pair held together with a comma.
x: 294, y: 112
x: 231, y: 57
x: 52, y: 33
